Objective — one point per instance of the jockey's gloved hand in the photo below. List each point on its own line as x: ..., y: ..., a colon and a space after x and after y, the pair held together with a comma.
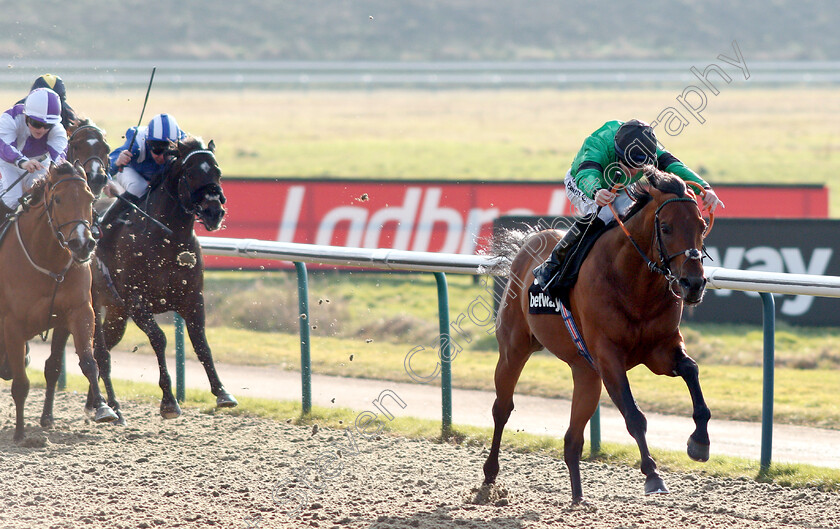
x: 711, y: 200
x: 604, y: 197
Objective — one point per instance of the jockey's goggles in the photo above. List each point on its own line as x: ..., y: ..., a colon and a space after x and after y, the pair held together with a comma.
x: 35, y: 124
x: 158, y: 147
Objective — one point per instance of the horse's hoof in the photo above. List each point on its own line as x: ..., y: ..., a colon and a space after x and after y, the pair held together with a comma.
x: 104, y: 414
x: 172, y: 411
x: 18, y: 436
x: 120, y: 419
x: 89, y: 411
x: 47, y: 423
x: 655, y: 485
x: 226, y: 400
x: 697, y: 451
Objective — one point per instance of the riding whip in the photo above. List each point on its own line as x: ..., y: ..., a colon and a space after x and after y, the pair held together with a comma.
x: 136, y: 130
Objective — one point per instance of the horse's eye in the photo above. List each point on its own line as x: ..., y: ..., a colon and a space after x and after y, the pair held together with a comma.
x: 666, y: 229
x: 58, y: 200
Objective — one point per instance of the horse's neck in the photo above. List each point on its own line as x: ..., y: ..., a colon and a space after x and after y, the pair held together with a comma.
x: 166, y: 207
x: 631, y: 269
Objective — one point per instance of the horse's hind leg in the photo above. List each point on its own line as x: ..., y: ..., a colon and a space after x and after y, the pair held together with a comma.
x: 52, y: 368
x: 698, y: 441
x: 587, y: 391
x: 618, y: 387
x: 194, y: 320
x: 169, y: 408
x: 509, y: 367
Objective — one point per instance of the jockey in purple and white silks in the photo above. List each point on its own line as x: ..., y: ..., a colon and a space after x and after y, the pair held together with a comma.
x: 31, y: 136
x: 140, y: 160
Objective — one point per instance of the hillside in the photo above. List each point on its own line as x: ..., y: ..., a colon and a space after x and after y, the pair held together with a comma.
x: 417, y: 29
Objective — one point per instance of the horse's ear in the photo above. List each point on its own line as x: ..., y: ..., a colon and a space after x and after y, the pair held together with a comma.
x: 211, y: 146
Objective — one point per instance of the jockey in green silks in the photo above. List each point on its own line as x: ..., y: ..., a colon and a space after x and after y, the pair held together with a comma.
x: 616, y: 153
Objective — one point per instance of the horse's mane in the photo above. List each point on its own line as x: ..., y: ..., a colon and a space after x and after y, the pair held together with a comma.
x: 36, y: 193
x: 660, y: 180
x: 193, y: 143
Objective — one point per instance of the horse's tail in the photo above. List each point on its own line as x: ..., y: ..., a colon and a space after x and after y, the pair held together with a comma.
x: 505, y: 245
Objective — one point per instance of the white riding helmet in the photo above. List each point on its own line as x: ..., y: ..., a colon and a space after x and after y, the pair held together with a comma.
x: 163, y: 127
x: 44, y: 105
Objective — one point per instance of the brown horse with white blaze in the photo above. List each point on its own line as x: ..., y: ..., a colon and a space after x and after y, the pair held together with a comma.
x: 628, y: 304
x: 47, y: 282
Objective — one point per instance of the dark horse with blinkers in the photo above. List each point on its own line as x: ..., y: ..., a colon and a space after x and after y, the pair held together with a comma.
x: 146, y: 271
x: 628, y: 303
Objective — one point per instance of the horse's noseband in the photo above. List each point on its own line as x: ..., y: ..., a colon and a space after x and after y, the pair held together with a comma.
x: 193, y: 198
x: 664, y: 266
x: 57, y: 228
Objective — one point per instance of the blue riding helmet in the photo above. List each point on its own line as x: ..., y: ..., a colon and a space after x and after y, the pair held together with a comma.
x: 163, y: 128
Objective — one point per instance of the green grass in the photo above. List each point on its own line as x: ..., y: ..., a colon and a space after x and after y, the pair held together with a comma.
x: 730, y: 356
x: 785, y: 474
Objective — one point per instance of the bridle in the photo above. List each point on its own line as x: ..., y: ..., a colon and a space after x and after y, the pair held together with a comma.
x: 663, y: 267
x: 183, y: 186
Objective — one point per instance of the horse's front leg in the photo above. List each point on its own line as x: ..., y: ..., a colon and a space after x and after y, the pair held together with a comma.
x: 142, y: 316
x: 107, y: 334
x: 194, y: 320
x: 672, y: 361
x: 15, y: 356
x: 611, y: 365
x: 698, y: 441
x: 81, y: 326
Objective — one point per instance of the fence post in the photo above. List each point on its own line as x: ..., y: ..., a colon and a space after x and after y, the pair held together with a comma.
x: 595, y: 432
x: 769, y: 366
x: 62, y: 373
x: 445, y: 359
x: 180, y: 360
x: 303, y: 321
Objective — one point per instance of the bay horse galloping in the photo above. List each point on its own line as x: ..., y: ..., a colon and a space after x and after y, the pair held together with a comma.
x: 627, y: 314
x: 46, y: 282
x: 149, y: 272
x: 87, y: 145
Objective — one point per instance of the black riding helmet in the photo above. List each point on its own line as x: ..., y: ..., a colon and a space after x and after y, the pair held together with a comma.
x: 53, y: 82
x: 635, y: 143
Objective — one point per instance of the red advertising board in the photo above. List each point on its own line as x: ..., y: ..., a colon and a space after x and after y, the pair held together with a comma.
x: 434, y: 216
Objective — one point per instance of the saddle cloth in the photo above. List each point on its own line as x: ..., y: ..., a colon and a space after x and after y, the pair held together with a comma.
x: 546, y: 302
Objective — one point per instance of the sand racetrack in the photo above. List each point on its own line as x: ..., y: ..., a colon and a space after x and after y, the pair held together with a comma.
x: 218, y: 470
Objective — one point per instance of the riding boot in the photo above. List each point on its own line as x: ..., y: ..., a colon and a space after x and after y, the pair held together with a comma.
x: 549, y: 270
x: 107, y: 224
